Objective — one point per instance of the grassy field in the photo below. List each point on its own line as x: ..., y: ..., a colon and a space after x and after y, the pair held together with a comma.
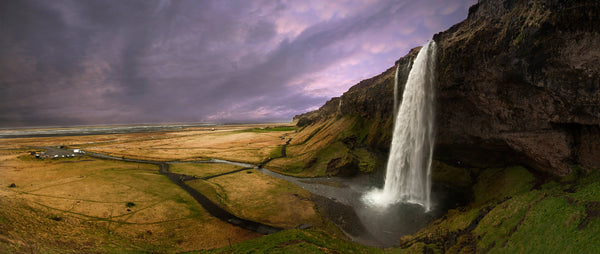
x: 202, y: 169
x: 259, y: 197
x: 86, y: 204
x: 245, y: 145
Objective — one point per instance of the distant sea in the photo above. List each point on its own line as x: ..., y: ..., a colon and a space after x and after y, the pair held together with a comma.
x: 92, y: 130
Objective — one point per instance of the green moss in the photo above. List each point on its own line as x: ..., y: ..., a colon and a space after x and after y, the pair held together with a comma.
x: 324, y: 156
x: 551, y: 226
x: 587, y: 192
x: 276, y: 152
x: 295, y: 167
x: 358, y: 131
x: 269, y: 129
x: 498, y: 224
x: 576, y: 173
x: 558, y: 217
x: 367, y: 161
x: 550, y: 185
x: 296, y: 241
x: 496, y: 184
x: 461, y: 220
x: 458, y: 177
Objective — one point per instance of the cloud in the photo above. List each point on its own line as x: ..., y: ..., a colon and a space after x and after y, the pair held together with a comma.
x: 103, y: 62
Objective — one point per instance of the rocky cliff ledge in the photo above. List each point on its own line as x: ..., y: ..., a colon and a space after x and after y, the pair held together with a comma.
x: 518, y: 83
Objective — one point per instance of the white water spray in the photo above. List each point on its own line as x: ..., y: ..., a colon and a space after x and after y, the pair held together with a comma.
x: 408, y: 175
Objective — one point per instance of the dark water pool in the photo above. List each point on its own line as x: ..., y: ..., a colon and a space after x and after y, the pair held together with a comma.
x: 341, y: 199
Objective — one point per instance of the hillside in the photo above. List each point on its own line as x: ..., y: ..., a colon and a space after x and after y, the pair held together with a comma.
x: 518, y: 84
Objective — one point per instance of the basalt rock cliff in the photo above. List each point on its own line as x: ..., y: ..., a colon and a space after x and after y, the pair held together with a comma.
x: 518, y: 82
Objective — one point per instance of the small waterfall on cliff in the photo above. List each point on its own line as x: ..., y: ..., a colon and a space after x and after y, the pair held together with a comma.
x: 409, y: 164
x: 396, y: 91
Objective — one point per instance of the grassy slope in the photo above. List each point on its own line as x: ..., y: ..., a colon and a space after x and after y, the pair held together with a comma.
x: 297, y: 241
x: 314, y: 147
x: 510, y: 212
x: 508, y: 215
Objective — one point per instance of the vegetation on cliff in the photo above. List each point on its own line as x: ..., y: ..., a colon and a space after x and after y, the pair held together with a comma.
x: 518, y: 127
x: 517, y: 85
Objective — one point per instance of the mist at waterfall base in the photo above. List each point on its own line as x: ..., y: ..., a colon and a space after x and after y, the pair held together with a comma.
x: 408, y: 172
x: 375, y: 209
x: 406, y: 194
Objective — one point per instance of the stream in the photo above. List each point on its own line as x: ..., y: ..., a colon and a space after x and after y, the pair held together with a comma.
x: 340, y: 199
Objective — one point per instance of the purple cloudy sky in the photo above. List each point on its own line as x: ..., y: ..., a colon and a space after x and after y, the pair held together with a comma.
x: 141, y: 61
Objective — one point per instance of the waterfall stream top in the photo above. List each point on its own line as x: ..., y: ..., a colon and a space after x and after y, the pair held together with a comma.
x: 408, y: 172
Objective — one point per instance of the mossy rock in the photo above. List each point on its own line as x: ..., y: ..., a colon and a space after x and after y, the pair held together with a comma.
x: 451, y: 176
x: 497, y: 184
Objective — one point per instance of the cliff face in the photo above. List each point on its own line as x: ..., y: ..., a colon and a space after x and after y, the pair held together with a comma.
x: 370, y: 100
x: 518, y: 83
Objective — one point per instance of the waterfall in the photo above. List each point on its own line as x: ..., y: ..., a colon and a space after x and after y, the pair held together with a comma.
x: 408, y: 172
x: 396, y: 91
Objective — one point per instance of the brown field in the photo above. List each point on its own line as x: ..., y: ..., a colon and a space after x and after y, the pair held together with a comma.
x: 233, y: 143
x: 202, y: 169
x: 89, y: 198
x: 259, y: 197
x: 86, y: 204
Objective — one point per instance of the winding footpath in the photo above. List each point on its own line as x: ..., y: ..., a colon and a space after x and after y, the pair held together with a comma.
x: 212, y: 208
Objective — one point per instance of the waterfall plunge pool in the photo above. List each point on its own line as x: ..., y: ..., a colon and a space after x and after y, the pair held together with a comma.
x: 341, y: 200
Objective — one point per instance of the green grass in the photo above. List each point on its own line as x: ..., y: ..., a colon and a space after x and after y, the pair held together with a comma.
x: 324, y: 156
x: 551, y: 226
x: 358, y: 131
x: 276, y: 152
x: 268, y: 129
x: 294, y: 168
x: 496, y: 184
x: 496, y: 226
x: 367, y: 161
x: 297, y: 241
x: 559, y: 217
